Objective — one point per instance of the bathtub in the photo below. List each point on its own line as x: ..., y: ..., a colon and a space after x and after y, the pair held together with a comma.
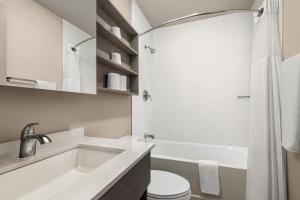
x: 181, y: 158
x: 226, y: 156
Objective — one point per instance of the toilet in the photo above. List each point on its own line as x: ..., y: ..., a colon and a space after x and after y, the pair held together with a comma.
x: 166, y: 185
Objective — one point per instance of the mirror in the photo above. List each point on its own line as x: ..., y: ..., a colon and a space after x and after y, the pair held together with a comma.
x: 48, y: 44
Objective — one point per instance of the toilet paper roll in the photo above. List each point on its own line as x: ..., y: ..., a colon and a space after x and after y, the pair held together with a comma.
x: 116, y: 31
x: 123, y: 83
x: 113, y: 81
x: 116, y: 58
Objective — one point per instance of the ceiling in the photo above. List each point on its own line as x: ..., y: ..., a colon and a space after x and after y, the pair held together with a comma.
x: 78, y: 12
x: 160, y: 11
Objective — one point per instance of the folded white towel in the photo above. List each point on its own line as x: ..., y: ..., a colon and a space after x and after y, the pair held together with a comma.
x: 290, y: 99
x: 45, y: 85
x: 209, y: 177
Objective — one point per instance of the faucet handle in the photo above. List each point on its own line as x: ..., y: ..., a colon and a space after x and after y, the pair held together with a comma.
x: 149, y: 135
x: 29, y: 129
x: 147, y: 96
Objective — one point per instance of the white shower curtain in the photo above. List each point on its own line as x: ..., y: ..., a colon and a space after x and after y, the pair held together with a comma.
x: 266, y: 168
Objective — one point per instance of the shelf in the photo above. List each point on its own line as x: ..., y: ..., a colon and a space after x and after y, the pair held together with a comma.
x: 122, y: 68
x: 128, y: 46
x: 113, y: 11
x: 105, y: 31
x: 106, y: 90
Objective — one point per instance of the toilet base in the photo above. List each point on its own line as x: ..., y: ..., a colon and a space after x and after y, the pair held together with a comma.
x: 188, y: 196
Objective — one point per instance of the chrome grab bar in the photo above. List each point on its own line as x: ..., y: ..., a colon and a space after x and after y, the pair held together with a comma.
x: 244, y: 97
x: 10, y: 79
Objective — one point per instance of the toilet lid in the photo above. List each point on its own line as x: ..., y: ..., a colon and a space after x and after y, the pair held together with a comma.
x: 167, y: 184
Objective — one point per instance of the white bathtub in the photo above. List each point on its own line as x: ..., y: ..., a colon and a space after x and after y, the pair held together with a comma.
x: 182, y: 159
x: 226, y: 156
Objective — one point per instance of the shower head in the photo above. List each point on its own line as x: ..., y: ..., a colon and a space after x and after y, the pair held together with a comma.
x: 260, y: 12
x: 151, y: 49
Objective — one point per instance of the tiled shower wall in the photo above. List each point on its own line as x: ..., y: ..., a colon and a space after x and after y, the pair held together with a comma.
x: 200, y: 68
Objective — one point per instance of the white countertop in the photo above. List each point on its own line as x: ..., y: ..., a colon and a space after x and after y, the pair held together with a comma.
x: 95, y: 183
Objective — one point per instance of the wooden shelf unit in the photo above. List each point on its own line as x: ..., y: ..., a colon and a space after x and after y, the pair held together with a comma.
x: 106, y: 90
x: 107, y: 43
x: 105, y: 29
x: 103, y: 58
x: 118, y: 17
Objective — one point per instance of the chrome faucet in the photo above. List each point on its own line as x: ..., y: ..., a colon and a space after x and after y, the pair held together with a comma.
x: 149, y: 135
x: 29, y: 139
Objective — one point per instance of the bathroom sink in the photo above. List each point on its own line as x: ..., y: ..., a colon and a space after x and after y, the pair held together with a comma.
x: 43, y: 179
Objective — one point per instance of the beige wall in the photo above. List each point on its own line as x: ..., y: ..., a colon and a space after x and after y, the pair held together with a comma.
x: 102, y: 115
x: 291, y: 47
x: 291, y: 28
x: 34, y: 41
x: 293, y: 176
x: 2, y: 45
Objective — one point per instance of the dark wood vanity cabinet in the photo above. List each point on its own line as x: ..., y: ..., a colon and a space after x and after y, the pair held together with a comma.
x: 133, y: 185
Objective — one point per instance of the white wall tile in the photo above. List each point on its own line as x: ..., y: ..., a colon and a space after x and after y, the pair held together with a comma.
x: 142, y: 111
x: 199, y: 69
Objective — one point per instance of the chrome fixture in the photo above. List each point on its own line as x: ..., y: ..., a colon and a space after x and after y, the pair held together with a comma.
x: 28, y: 141
x: 82, y: 42
x: 151, y: 49
x: 11, y: 79
x: 149, y: 135
x: 147, y: 96
x: 244, y: 97
x: 258, y: 11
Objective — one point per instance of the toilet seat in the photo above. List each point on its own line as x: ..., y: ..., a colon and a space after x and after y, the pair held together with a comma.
x: 166, y: 185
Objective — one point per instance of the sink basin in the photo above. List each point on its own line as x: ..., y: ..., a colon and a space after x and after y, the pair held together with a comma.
x: 43, y: 179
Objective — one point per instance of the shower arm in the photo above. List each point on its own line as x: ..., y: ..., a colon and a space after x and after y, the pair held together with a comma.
x: 258, y: 11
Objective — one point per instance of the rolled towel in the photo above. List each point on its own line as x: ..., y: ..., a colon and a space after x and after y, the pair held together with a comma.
x: 116, y: 31
x: 123, y: 83
x: 209, y: 177
x: 113, y: 81
x: 290, y: 97
x: 116, y: 58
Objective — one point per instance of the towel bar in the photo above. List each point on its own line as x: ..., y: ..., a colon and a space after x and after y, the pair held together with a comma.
x: 9, y: 79
x: 244, y: 97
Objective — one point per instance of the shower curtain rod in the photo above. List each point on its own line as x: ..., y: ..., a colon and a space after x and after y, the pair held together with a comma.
x: 82, y: 42
x: 258, y: 11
